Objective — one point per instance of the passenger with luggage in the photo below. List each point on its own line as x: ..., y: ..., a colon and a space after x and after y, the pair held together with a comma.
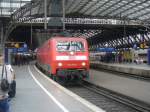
x: 4, y: 88
x: 11, y: 80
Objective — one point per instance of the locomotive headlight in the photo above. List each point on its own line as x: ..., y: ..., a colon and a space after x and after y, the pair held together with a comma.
x: 72, y: 53
x: 59, y: 64
x: 83, y: 63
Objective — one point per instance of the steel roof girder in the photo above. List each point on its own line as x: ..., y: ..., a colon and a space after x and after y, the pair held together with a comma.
x: 137, y: 11
x: 69, y: 5
x: 99, y: 5
x: 39, y: 8
x: 111, y: 43
x: 141, y: 15
x: 48, y: 9
x: 142, y: 38
x: 93, y: 3
x: 83, y: 5
x: 119, y: 41
x: 119, y: 7
x: 137, y: 39
x: 71, y: 8
x: 135, y: 6
x: 115, y: 42
x: 134, y: 38
x: 126, y: 40
x: 131, y: 39
x: 146, y: 38
x: 93, y: 7
x: 26, y: 8
x: 33, y: 11
x: 19, y: 10
x: 129, y: 8
x: 102, y: 11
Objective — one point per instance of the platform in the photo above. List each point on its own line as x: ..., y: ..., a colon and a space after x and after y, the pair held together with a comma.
x: 136, y: 89
x: 38, y: 93
x: 138, y: 69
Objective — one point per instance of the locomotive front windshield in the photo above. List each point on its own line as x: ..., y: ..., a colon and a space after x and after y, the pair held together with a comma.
x: 70, y: 46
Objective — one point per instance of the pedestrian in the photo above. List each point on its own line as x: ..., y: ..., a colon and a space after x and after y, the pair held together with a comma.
x: 15, y: 56
x: 18, y: 59
x: 4, y: 88
x: 11, y: 81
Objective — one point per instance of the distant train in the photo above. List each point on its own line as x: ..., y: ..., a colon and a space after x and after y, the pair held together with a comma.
x: 64, y: 58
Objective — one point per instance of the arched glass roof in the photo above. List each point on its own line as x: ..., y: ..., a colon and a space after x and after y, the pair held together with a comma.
x: 7, y: 7
x: 128, y: 9
x: 106, y: 9
x: 123, y: 11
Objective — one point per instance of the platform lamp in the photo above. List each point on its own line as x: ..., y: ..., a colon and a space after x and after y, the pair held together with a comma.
x: 106, y: 45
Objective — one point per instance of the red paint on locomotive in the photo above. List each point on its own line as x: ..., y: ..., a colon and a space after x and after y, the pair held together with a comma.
x: 64, y: 56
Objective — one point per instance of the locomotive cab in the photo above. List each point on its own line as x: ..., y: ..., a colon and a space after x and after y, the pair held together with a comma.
x: 71, y: 58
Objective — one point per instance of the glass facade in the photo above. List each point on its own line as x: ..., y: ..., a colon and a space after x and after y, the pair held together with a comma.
x: 7, y: 7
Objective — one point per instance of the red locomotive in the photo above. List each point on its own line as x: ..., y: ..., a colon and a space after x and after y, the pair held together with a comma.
x: 64, y: 58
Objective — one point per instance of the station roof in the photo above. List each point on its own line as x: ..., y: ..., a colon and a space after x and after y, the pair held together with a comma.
x: 114, y: 9
x: 126, y: 10
x: 7, y: 7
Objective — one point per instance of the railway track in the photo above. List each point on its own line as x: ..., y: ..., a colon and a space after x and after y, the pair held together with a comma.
x: 107, y: 99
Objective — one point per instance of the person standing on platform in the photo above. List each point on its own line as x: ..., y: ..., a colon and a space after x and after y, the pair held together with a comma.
x: 21, y: 59
x: 11, y: 81
x: 15, y: 56
x: 18, y: 59
x: 4, y: 88
x: 119, y: 57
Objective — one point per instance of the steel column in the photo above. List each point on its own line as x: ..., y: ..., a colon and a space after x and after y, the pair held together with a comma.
x: 63, y: 15
x: 45, y: 14
x: 2, y: 33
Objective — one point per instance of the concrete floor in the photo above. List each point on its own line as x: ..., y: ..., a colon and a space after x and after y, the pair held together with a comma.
x: 127, y: 65
x: 31, y: 97
x: 131, y: 87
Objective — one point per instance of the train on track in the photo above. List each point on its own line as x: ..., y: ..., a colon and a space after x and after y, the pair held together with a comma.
x: 64, y: 58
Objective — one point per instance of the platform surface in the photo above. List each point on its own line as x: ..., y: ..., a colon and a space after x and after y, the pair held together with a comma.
x: 126, y: 65
x: 127, y: 86
x: 129, y: 68
x: 31, y: 97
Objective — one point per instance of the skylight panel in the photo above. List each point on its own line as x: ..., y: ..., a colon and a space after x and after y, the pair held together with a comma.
x: 11, y: 5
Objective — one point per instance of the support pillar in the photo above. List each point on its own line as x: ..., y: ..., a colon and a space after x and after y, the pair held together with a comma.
x: 63, y: 15
x: 31, y: 35
x: 45, y: 14
x: 2, y: 34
